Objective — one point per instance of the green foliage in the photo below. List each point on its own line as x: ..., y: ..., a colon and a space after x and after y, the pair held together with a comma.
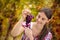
x: 10, y: 13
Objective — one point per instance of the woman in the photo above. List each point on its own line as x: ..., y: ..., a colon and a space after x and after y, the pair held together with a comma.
x: 38, y: 30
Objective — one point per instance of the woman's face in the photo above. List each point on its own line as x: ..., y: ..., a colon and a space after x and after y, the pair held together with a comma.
x: 41, y: 18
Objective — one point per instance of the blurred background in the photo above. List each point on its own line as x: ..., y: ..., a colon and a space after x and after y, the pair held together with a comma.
x: 10, y: 13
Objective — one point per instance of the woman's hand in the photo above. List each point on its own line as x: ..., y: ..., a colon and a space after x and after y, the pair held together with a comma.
x: 28, y: 33
x: 25, y: 12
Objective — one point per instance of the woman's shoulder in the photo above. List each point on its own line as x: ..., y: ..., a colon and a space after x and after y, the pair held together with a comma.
x: 32, y: 24
x: 48, y: 36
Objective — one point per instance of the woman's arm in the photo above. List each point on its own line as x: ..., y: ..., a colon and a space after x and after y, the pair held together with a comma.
x: 18, y: 29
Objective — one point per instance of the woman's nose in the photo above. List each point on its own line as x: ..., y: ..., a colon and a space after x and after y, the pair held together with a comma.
x: 40, y: 20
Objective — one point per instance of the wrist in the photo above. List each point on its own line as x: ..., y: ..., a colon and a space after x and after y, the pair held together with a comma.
x: 23, y: 17
x: 31, y: 37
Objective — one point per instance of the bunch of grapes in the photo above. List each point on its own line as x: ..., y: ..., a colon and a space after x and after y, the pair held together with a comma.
x: 28, y: 19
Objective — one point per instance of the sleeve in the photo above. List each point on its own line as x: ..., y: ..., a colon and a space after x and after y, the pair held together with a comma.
x: 48, y: 36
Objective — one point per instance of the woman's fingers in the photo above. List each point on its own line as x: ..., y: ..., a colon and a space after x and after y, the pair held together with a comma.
x: 26, y: 12
x: 28, y: 32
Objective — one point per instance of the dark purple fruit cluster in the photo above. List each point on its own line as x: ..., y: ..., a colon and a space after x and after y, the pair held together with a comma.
x: 28, y: 19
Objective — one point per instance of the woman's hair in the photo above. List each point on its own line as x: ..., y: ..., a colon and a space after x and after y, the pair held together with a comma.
x: 47, y: 11
x: 45, y: 30
x: 43, y: 33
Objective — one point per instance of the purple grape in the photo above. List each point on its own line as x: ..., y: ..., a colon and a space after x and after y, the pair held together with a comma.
x: 28, y: 19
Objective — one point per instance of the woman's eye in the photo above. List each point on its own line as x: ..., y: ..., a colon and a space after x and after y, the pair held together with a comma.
x: 43, y: 18
x: 39, y: 16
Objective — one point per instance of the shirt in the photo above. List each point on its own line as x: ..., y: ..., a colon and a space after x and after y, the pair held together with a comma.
x: 47, y: 37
